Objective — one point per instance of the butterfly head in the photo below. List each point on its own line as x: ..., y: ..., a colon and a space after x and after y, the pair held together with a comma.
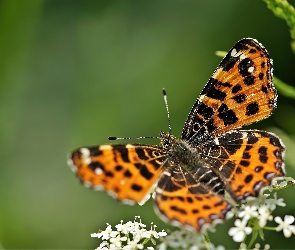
x: 167, y: 140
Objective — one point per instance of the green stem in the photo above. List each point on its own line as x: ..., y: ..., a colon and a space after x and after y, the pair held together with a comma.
x: 254, y: 236
x: 207, y: 240
x: 284, y: 89
x: 270, y: 228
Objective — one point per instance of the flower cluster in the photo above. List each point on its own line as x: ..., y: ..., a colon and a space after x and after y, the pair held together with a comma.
x: 254, y: 214
x: 185, y: 239
x: 128, y: 236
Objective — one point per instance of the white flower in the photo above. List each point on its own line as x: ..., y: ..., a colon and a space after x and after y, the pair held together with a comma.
x: 219, y: 247
x: 248, y: 212
x: 103, y: 246
x: 188, y: 240
x: 285, y: 225
x: 264, y: 216
x: 266, y: 247
x: 239, y: 232
x: 104, y: 235
x: 257, y: 246
x: 116, y: 241
x: 231, y: 213
x: 129, y: 236
x: 125, y: 228
x: 155, y: 234
x: 272, y: 203
x: 257, y: 201
x: 162, y: 234
x: 182, y: 239
x: 243, y: 246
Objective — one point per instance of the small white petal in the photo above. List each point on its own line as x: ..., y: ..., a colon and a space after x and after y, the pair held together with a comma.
x: 232, y: 231
x: 248, y: 230
x: 239, y: 236
x: 289, y: 219
x: 266, y: 247
x: 243, y: 246
x: 287, y: 232
x: 257, y: 245
x: 278, y: 220
x: 94, y: 235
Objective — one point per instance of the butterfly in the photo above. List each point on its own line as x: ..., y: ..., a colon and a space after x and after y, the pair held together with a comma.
x: 191, y: 175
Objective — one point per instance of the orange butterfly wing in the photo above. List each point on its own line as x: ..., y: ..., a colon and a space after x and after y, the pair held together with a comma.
x: 126, y: 172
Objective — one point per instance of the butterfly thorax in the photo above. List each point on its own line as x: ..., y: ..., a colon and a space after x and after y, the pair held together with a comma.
x: 180, y: 152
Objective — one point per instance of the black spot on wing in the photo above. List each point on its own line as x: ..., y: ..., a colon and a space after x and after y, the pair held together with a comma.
x: 228, y: 62
x: 109, y: 173
x: 227, y: 115
x: 144, y: 171
x: 251, y: 139
x: 246, y: 155
x: 249, y: 80
x: 212, y: 92
x: 95, y: 165
x: 244, y: 66
x: 264, y: 89
x: 118, y: 168
x: 141, y: 153
x: 248, y: 178
x: 124, y: 154
x: 258, y: 169
x: 127, y: 174
x: 262, y: 150
x: 240, y: 98
x: 177, y: 209
x: 136, y: 187
x: 242, y: 45
x: 210, y: 126
x: 263, y: 64
x: 252, y: 109
x: 205, y: 111
x: 95, y: 151
x: 244, y: 163
x: 236, y: 88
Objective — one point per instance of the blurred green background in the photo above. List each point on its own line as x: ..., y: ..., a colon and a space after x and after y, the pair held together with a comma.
x: 73, y: 73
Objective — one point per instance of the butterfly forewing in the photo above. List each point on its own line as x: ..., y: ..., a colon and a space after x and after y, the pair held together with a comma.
x: 127, y: 172
x: 240, y: 92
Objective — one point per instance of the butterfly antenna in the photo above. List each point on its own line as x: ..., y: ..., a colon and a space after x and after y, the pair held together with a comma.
x: 114, y: 138
x: 167, y: 108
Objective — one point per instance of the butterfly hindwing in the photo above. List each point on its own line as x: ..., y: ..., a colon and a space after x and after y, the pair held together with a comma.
x: 246, y: 161
x: 183, y: 200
